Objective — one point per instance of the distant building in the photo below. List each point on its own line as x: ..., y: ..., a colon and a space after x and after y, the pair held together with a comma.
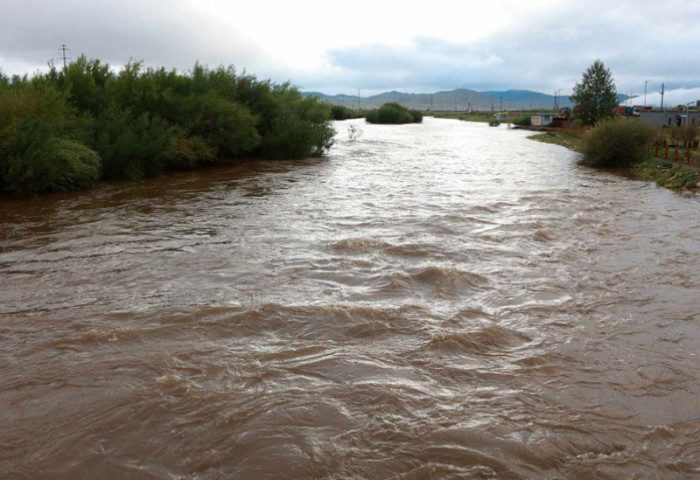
x: 671, y: 118
x: 541, y: 119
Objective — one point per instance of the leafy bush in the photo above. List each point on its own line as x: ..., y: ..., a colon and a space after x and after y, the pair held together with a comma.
x: 190, y: 151
x: 133, y: 147
x: 227, y: 126
x: 35, y: 158
x: 41, y: 142
x: 417, y: 116
x: 616, y: 143
x: 523, y: 120
x: 298, y: 128
x: 339, y: 112
x: 393, y: 113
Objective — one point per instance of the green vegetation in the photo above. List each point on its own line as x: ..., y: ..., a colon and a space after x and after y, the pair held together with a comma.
x: 393, y: 113
x: 667, y: 174
x: 339, y: 112
x: 636, y: 164
x: 595, y: 96
x: 68, y: 129
x: 684, y: 135
x: 523, y: 120
x: 616, y: 143
x: 564, y: 140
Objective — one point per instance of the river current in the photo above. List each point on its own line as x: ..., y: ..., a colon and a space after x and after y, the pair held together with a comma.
x: 436, y: 301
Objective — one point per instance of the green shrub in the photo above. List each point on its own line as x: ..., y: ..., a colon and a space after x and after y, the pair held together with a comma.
x: 616, y: 143
x: 190, y: 151
x: 417, y: 116
x: 42, y: 142
x: 227, y: 126
x: 393, y: 113
x: 339, y: 112
x: 34, y: 159
x: 298, y: 128
x: 523, y: 120
x: 133, y: 147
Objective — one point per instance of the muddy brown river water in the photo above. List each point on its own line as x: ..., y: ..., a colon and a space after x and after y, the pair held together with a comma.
x: 435, y: 301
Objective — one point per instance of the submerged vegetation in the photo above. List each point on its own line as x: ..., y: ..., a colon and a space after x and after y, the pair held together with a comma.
x: 393, y: 113
x: 68, y: 129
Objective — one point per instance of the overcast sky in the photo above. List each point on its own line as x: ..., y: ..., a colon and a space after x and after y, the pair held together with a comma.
x: 342, y: 46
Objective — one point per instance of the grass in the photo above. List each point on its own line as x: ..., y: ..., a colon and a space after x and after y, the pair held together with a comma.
x: 569, y: 141
x: 665, y: 173
x: 668, y: 174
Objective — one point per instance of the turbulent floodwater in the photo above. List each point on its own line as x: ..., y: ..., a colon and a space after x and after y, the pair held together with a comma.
x: 435, y: 301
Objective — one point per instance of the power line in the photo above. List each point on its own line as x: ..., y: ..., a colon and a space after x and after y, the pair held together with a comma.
x: 63, y: 49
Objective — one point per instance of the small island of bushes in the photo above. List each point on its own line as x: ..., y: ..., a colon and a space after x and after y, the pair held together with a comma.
x: 68, y: 129
x: 393, y: 113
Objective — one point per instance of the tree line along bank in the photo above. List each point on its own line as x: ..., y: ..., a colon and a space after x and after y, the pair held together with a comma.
x: 71, y: 128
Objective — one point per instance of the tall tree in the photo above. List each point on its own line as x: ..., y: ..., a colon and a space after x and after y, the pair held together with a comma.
x: 595, y: 95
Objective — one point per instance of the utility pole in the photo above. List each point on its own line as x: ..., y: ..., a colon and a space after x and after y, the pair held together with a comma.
x: 63, y: 49
x: 645, y: 92
x: 662, y: 97
x: 359, y: 107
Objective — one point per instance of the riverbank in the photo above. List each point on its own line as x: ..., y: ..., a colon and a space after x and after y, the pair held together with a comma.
x: 665, y: 173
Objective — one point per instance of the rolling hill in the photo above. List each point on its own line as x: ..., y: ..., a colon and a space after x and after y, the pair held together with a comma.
x: 461, y: 99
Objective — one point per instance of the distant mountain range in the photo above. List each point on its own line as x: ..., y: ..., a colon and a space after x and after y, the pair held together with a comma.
x: 461, y: 99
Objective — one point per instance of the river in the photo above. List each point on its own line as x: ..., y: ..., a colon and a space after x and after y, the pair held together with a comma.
x: 436, y: 301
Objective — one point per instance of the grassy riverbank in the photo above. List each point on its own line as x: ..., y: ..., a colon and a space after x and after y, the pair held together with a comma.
x: 665, y: 173
x: 568, y: 141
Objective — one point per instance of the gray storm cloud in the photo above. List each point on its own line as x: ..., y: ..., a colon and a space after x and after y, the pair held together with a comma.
x: 547, y: 50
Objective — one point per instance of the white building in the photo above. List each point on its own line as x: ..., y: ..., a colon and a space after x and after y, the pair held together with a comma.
x: 541, y: 119
x: 671, y: 118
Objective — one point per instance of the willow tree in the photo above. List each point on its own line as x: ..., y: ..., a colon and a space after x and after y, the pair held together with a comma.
x: 595, y: 96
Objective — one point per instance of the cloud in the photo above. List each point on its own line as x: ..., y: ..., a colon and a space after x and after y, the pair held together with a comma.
x: 671, y: 98
x: 547, y: 51
x: 542, y: 45
x: 423, y: 64
x: 160, y: 32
